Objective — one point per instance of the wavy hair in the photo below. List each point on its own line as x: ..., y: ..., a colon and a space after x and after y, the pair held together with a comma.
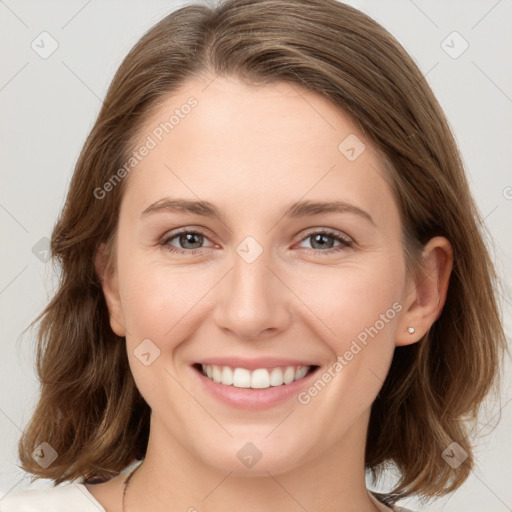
x: 90, y: 410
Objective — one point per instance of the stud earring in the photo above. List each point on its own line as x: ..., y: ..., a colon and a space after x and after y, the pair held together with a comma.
x: 411, y: 330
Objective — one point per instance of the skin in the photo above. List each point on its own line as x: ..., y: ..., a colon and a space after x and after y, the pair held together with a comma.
x: 251, y: 151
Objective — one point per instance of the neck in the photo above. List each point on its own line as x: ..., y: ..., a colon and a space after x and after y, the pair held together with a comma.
x: 171, y: 476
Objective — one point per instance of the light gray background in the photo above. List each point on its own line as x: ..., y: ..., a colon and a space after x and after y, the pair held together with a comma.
x: 49, y: 105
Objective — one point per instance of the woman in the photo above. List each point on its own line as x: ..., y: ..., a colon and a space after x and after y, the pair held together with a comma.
x: 335, y: 297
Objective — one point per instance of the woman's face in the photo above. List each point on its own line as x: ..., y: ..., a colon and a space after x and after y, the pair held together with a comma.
x: 271, y: 275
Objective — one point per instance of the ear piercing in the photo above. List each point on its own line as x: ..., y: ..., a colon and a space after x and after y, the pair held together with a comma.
x: 411, y: 330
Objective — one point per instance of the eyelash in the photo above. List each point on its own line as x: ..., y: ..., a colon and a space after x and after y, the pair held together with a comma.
x: 344, y: 242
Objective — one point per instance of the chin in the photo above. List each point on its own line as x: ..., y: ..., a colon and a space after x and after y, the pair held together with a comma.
x: 243, y: 457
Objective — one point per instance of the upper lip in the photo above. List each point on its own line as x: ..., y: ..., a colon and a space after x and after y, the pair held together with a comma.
x: 255, y: 363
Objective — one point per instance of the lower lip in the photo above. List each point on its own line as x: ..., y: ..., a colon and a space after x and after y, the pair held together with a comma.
x: 254, y: 399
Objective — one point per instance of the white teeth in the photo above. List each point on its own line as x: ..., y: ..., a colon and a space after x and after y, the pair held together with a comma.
x: 289, y: 375
x: 301, y: 372
x: 227, y: 375
x: 217, y: 373
x: 276, y: 377
x: 261, y: 378
x: 241, y: 378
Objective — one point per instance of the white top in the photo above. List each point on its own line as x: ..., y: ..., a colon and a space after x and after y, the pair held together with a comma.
x: 66, y: 497
x: 71, y: 496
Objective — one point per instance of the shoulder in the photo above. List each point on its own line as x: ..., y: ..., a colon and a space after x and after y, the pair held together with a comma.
x: 53, y: 499
x: 389, y: 500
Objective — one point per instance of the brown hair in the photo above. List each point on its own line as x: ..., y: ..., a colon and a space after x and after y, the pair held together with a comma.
x: 90, y: 410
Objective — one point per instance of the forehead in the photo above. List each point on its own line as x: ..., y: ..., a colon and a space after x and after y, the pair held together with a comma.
x: 242, y: 146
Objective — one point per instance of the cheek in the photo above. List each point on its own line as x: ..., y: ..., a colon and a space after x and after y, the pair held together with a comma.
x: 160, y: 301
x: 160, y: 304
x: 356, y: 311
x: 157, y: 298
x: 349, y: 299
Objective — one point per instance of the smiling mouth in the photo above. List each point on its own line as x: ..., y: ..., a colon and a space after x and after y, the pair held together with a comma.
x: 259, y: 378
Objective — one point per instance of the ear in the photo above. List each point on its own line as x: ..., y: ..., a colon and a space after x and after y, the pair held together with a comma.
x: 109, y: 284
x: 426, y: 293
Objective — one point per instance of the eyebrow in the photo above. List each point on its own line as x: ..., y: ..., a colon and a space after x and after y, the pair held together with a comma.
x: 295, y: 210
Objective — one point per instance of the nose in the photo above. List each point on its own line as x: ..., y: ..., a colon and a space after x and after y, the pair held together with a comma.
x: 253, y: 301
